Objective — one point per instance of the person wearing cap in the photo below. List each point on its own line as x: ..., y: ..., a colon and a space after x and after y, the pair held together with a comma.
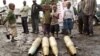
x: 24, y: 15
x: 35, y: 17
x: 11, y: 22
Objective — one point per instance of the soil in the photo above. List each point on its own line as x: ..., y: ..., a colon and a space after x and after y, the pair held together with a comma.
x: 86, y: 46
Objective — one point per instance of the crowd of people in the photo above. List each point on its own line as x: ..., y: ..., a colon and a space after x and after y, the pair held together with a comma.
x: 86, y: 12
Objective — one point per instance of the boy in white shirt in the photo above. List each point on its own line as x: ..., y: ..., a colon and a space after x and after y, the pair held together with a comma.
x: 68, y: 19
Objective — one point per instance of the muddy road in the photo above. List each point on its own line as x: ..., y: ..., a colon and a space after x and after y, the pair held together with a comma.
x: 87, y: 46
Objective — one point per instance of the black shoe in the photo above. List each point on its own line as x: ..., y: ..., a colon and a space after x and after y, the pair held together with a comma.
x: 32, y: 32
x: 8, y: 36
x: 13, y: 40
x: 23, y: 32
x: 26, y: 32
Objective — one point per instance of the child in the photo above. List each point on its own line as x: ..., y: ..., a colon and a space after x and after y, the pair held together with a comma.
x: 54, y: 21
x: 46, y: 20
x: 68, y: 19
x: 12, y: 23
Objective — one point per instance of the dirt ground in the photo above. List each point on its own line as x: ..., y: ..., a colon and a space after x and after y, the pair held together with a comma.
x: 87, y: 46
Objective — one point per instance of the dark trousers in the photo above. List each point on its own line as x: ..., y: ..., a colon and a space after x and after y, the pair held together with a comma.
x: 54, y: 28
x: 80, y: 24
x: 25, y: 24
x: 35, y: 24
x: 88, y: 24
x: 46, y: 29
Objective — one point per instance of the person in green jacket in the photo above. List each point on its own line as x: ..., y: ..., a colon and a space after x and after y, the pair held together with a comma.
x: 11, y: 19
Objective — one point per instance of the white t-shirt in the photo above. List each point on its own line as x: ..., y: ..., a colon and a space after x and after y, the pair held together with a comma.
x: 68, y: 13
x: 6, y: 10
x: 24, y: 11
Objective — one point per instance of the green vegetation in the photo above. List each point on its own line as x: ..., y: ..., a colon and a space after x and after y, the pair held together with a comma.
x: 48, y: 1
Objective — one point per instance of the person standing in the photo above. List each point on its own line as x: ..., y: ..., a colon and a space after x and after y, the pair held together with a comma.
x: 24, y: 15
x: 4, y: 15
x: 11, y: 19
x: 80, y: 16
x: 47, y: 19
x: 35, y: 17
x: 89, y: 13
x: 68, y: 19
x: 54, y: 21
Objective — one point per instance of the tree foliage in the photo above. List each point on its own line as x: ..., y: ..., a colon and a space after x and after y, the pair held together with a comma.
x: 48, y: 1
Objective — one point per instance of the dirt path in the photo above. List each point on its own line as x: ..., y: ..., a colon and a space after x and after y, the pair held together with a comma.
x: 87, y: 46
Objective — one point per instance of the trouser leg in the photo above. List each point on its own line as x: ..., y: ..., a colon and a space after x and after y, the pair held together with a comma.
x: 80, y: 25
x: 37, y: 25
x: 91, y: 24
x: 57, y: 29
x: 86, y: 24
x: 23, y: 24
x: 33, y: 25
x: 26, y: 25
x: 70, y: 26
x: 52, y: 29
x: 47, y: 29
x: 65, y: 27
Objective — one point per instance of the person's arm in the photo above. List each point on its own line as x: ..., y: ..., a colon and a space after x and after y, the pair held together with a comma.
x: 31, y: 11
x: 57, y: 16
x: 2, y: 11
x: 10, y: 14
x: 40, y: 7
x: 95, y: 6
x: 26, y: 9
x: 64, y: 14
x: 78, y: 7
x: 23, y: 10
x: 72, y: 12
